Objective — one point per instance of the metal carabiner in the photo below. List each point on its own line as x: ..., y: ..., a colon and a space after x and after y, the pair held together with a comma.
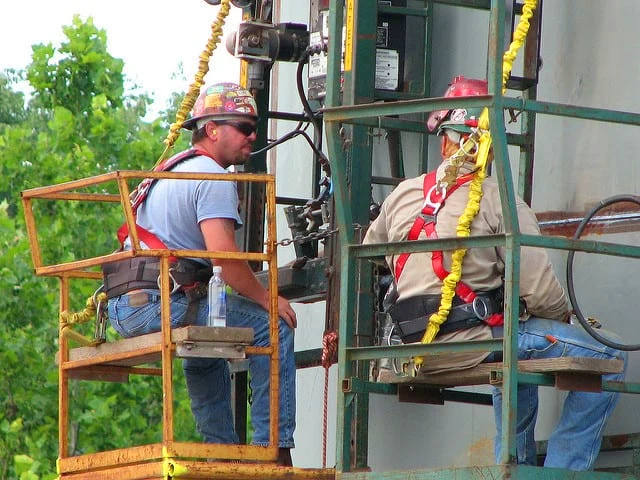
x: 176, y: 285
x: 474, y: 147
x: 100, y: 333
x: 435, y: 206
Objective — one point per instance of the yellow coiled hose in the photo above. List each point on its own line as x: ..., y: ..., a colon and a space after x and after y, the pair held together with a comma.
x: 194, y: 89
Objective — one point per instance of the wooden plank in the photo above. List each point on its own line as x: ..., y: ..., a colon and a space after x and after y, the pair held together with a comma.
x: 111, y: 373
x: 118, y: 349
x: 480, y: 374
x: 103, y: 361
x: 127, y: 352
x: 242, y: 336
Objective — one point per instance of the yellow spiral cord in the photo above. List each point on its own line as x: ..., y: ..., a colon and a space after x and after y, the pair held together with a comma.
x: 194, y: 89
x: 67, y: 320
x: 483, y: 139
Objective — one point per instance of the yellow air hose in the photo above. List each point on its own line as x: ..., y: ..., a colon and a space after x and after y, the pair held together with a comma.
x: 89, y: 313
x: 194, y: 88
x: 483, y: 139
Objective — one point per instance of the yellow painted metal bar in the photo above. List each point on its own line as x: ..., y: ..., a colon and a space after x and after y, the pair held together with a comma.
x: 32, y: 233
x: 259, y: 350
x: 129, y: 216
x: 58, y: 269
x: 88, y: 275
x: 46, y: 191
x: 43, y: 192
x: 211, y: 450
x: 84, y: 197
x: 191, y: 470
x: 63, y: 377
x: 101, y: 460
x: 348, y: 37
x: 167, y: 358
x: 273, y: 319
x: 67, y: 332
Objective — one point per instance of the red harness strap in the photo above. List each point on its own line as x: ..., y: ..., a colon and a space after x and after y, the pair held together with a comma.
x: 433, y: 201
x: 141, y: 194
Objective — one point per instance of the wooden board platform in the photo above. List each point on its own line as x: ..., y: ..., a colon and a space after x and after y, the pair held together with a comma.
x: 481, y: 375
x: 114, y: 361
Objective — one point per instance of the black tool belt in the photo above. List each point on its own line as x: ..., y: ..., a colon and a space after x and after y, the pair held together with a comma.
x: 412, y: 315
x: 142, y: 272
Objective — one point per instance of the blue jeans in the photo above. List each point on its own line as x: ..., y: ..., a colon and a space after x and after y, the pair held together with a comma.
x: 208, y: 379
x: 575, y: 441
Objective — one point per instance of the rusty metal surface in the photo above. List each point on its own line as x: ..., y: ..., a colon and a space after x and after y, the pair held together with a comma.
x: 619, y: 218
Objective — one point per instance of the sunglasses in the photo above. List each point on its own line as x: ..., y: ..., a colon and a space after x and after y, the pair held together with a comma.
x: 245, y: 128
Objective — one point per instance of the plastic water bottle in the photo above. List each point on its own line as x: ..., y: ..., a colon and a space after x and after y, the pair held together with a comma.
x: 217, y: 299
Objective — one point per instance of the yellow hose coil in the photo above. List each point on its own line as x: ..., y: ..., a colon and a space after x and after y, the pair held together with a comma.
x: 194, y: 89
x: 475, y: 189
x: 68, y: 319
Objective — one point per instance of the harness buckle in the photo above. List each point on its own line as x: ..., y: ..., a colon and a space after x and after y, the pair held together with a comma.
x: 480, y: 308
x: 435, y: 206
x: 102, y: 317
x: 176, y: 286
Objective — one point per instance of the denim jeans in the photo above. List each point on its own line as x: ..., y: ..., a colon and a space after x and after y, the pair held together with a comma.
x: 575, y: 441
x: 208, y: 379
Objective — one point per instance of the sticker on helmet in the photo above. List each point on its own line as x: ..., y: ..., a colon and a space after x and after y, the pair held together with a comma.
x: 458, y: 115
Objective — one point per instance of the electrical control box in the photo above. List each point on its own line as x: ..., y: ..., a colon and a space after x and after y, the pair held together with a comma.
x: 389, y: 55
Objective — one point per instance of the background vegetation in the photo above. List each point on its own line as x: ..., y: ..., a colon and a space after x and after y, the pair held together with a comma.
x: 78, y: 123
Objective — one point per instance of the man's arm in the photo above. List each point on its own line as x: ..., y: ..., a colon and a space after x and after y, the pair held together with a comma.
x: 539, y: 286
x: 219, y: 235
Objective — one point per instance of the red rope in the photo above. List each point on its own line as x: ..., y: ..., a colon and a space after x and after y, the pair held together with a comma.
x: 329, y: 357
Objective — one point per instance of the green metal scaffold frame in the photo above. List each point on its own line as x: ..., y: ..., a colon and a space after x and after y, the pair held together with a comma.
x: 350, y: 114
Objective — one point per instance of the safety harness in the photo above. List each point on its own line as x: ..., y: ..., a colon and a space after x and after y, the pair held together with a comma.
x: 136, y: 273
x: 470, y: 308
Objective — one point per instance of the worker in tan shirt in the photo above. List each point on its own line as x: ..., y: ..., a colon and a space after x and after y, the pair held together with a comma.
x: 543, y: 328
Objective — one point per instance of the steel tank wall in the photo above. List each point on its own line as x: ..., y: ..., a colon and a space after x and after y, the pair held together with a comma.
x: 589, y: 59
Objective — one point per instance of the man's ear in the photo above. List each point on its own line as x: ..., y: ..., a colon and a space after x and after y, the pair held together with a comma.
x: 443, y: 146
x: 211, y: 130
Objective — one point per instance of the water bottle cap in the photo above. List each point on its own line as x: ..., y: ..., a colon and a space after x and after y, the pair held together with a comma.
x: 217, y: 269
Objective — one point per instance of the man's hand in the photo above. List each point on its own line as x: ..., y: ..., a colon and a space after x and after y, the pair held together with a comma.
x: 286, y: 312
x: 219, y: 235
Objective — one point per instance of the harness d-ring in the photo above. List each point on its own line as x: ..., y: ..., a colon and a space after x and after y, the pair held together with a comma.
x: 435, y: 206
x: 474, y: 148
x: 176, y: 285
x: 480, y: 308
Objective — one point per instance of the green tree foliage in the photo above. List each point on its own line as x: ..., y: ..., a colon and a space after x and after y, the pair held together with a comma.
x: 78, y: 123
x: 11, y: 103
x: 83, y: 72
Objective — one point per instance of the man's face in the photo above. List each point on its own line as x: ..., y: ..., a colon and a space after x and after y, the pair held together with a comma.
x: 234, y: 142
x: 449, y: 146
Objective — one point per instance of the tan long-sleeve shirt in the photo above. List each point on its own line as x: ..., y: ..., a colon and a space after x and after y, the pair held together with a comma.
x: 482, y: 268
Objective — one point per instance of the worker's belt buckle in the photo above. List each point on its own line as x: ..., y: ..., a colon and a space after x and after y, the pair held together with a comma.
x: 137, y: 299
